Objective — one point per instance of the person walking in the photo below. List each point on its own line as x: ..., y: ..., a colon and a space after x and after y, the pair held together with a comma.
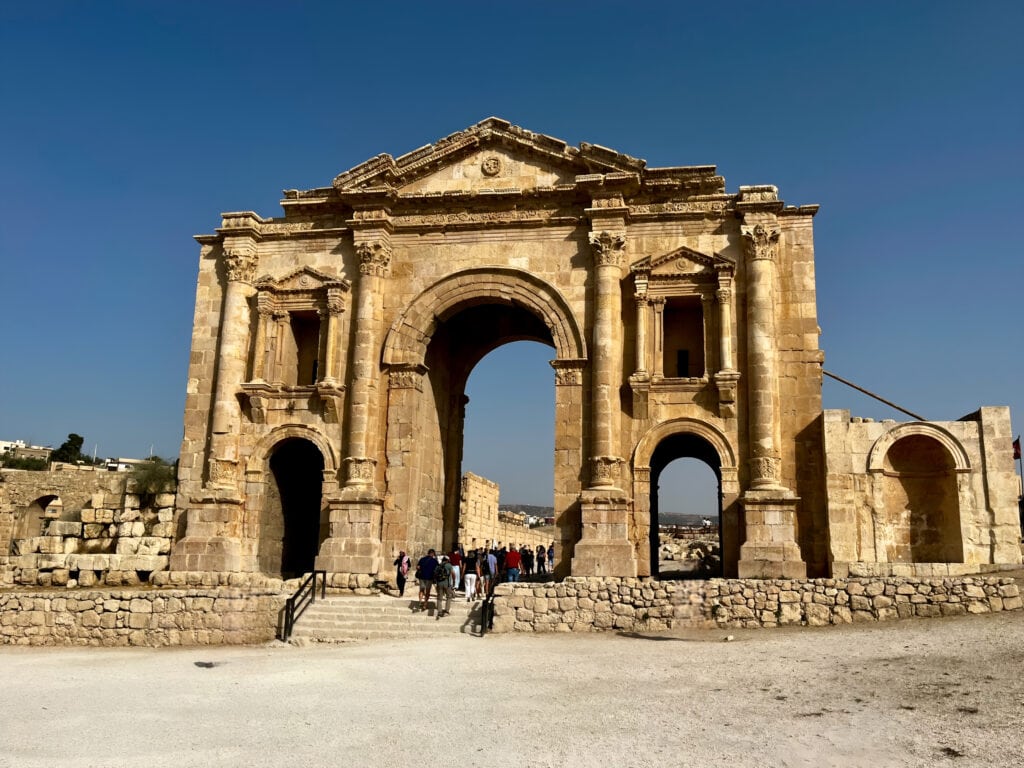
x: 471, y: 568
x: 455, y: 560
x: 551, y: 557
x: 443, y: 576
x: 542, y: 560
x: 402, y: 565
x: 425, y: 576
x: 513, y: 561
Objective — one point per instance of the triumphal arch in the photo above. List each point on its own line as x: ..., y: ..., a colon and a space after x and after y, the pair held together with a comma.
x: 332, y: 346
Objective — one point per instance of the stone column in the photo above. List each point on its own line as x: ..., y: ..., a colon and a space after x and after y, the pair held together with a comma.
x: 770, y: 549
x: 355, y: 516
x: 641, y: 335
x: 658, y: 305
x: 232, y: 354
x: 265, y: 308
x: 335, y: 306
x: 604, y: 548
x: 727, y: 376
x: 706, y: 302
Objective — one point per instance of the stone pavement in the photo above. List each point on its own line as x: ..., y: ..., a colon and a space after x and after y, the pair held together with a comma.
x: 914, y: 693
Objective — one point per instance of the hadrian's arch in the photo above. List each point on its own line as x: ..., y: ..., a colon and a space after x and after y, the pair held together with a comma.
x: 662, y: 444
x: 429, y: 353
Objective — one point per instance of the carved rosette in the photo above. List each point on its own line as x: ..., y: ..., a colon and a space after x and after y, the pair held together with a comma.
x: 374, y: 258
x: 608, y: 248
x: 360, y: 470
x: 241, y: 264
x: 765, y: 470
x: 761, y: 242
x: 604, y: 471
x: 568, y: 373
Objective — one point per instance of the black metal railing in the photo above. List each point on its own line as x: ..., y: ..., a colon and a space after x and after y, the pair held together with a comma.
x: 304, y: 596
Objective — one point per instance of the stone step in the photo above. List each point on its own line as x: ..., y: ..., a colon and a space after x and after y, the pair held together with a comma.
x: 341, y: 619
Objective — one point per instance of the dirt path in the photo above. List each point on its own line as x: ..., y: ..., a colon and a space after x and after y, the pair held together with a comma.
x: 916, y: 693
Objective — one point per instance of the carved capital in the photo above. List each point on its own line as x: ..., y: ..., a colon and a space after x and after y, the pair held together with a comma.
x: 335, y: 301
x: 360, y: 470
x: 765, y: 470
x: 568, y: 372
x: 241, y: 264
x: 761, y: 242
x: 641, y: 300
x: 374, y: 258
x: 724, y: 295
x: 604, y: 471
x: 658, y: 304
x: 406, y: 377
x: 608, y: 248
x: 264, y: 304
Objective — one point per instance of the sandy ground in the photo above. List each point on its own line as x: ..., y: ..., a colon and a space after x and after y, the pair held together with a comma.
x: 916, y: 693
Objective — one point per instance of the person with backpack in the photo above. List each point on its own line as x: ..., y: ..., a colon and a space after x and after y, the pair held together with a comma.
x: 425, y: 576
x: 443, y: 576
x: 402, y: 564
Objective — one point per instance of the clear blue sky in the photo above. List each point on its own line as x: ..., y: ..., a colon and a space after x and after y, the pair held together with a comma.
x: 128, y: 127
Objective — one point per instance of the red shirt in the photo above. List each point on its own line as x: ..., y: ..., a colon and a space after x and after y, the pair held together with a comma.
x: 455, y: 559
x: 513, y: 559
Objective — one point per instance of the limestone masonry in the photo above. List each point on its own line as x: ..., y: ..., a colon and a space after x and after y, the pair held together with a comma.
x: 324, y: 412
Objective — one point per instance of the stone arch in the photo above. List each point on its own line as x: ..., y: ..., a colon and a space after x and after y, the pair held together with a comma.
x: 878, y: 452
x: 407, y: 339
x: 727, y: 471
x: 267, y: 443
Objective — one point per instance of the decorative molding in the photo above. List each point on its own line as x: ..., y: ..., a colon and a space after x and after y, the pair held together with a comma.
x: 608, y: 248
x: 481, y: 219
x: 265, y: 303
x: 335, y: 301
x: 765, y: 470
x: 723, y: 295
x: 359, y: 470
x: 374, y: 258
x: 568, y: 372
x: 761, y: 242
x: 406, y: 377
x: 241, y: 264
x: 604, y: 471
x: 491, y: 165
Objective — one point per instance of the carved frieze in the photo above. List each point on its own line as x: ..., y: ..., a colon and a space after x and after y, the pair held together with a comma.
x: 406, y: 377
x: 761, y: 242
x: 608, y: 248
x: 568, y: 372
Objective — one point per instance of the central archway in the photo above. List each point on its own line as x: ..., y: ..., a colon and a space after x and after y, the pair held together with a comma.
x: 430, y: 351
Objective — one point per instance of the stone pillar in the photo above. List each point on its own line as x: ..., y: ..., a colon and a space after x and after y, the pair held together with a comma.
x: 641, y: 336
x: 658, y: 305
x: 604, y: 548
x: 260, y: 352
x: 355, y: 516
x: 727, y: 376
x: 770, y: 549
x: 706, y: 302
x: 335, y: 306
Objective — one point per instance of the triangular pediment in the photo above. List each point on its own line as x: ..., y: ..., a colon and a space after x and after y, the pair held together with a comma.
x: 491, y: 155
x: 682, y: 261
x: 302, y: 279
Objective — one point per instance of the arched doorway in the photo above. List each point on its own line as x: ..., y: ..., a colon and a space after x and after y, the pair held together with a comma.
x: 31, y: 521
x: 921, y: 502
x: 685, y: 535
x: 292, y: 523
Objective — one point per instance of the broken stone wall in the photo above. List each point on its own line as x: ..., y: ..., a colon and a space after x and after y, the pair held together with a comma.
x: 480, y: 522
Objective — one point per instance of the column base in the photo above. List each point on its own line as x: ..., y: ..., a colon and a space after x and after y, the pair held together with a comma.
x: 604, y: 548
x: 770, y: 551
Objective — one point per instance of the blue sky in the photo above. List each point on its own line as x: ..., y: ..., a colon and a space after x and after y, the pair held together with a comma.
x: 126, y: 128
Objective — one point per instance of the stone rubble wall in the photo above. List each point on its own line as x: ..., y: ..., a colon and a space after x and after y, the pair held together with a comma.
x: 140, y: 617
x: 480, y: 523
x: 581, y: 604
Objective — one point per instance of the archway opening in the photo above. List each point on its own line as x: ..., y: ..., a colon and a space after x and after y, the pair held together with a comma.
x: 31, y: 521
x: 513, y: 387
x: 292, y: 523
x: 686, y: 507
x: 921, y: 503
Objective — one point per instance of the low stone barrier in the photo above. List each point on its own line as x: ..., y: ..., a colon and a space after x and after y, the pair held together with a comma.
x: 143, y: 617
x: 581, y: 604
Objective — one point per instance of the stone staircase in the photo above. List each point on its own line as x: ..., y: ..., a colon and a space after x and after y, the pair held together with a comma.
x: 349, y: 618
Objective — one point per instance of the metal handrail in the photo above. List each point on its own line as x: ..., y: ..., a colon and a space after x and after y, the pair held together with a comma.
x: 304, y: 596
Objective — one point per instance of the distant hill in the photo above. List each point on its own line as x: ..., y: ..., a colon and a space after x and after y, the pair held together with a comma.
x: 529, y: 509
x: 664, y: 518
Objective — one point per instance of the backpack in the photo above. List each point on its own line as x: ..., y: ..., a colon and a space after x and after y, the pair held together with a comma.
x: 442, y: 573
x: 485, y: 566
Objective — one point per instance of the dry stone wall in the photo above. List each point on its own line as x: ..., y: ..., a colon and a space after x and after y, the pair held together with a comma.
x: 140, y: 617
x: 582, y: 604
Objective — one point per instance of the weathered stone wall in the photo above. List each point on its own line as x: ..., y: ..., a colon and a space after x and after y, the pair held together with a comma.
x: 883, y: 506
x: 143, y: 617
x: 480, y: 524
x: 592, y: 604
x: 95, y: 532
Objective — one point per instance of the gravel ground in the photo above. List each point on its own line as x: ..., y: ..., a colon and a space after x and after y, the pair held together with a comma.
x: 915, y: 693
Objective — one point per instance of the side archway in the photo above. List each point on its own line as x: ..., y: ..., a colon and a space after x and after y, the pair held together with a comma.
x: 409, y: 335
x: 878, y: 452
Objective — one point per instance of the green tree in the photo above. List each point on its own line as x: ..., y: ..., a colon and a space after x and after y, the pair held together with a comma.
x: 152, y: 477
x: 70, y: 450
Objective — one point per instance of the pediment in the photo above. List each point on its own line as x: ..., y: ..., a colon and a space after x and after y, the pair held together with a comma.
x: 302, y: 279
x: 681, y: 262
x: 491, y: 155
